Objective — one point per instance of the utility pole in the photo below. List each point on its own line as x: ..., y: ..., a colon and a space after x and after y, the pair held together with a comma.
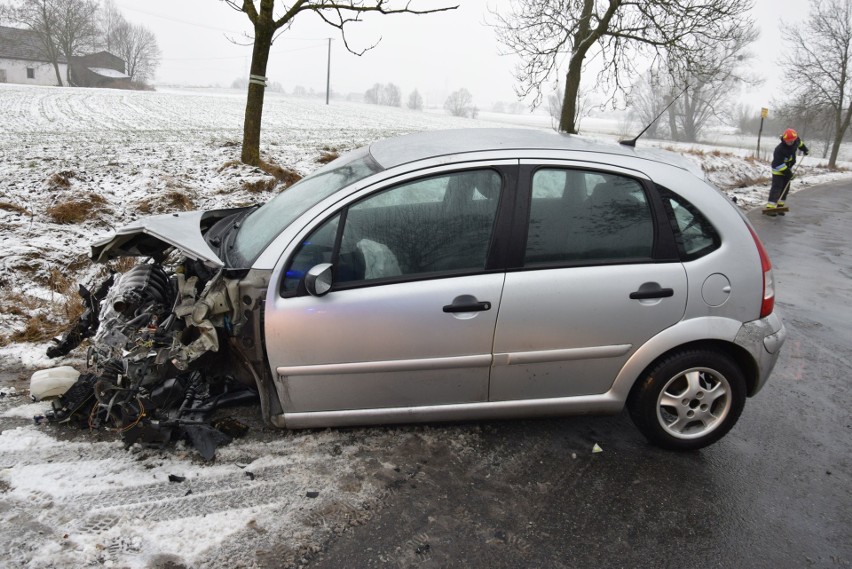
x: 328, y: 74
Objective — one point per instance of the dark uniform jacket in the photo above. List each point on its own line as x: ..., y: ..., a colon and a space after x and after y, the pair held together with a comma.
x: 785, y: 157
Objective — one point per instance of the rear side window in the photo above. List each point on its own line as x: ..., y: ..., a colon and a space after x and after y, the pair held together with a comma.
x: 694, y: 234
x: 581, y: 216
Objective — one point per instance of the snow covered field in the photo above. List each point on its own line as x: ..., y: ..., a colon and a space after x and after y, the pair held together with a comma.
x: 118, y: 155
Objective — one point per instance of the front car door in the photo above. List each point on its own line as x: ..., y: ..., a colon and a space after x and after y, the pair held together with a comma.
x: 410, y: 318
x: 596, y: 275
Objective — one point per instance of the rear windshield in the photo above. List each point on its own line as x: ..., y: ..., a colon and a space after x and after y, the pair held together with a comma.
x: 263, y: 225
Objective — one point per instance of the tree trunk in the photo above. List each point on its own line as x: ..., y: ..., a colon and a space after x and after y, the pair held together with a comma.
x: 571, y: 102
x: 568, y: 118
x: 264, y: 31
x: 842, y: 125
x: 674, y: 133
x: 690, y: 131
x: 58, y: 73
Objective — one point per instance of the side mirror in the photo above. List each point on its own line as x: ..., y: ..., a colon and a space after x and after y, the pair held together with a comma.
x: 318, y: 279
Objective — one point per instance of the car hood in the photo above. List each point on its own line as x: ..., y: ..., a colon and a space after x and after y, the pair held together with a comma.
x: 152, y: 236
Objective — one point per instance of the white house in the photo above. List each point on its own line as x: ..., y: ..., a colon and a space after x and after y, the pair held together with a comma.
x: 22, y: 59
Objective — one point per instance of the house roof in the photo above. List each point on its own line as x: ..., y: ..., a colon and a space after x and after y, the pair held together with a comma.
x: 109, y: 73
x: 105, y: 53
x: 17, y: 43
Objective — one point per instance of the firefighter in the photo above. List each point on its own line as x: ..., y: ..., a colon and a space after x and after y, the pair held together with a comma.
x: 783, y: 160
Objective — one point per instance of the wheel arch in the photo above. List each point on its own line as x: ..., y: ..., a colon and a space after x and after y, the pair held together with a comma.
x: 706, y: 333
x: 738, y: 354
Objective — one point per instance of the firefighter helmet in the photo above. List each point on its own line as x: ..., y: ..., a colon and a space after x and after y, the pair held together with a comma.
x: 790, y: 135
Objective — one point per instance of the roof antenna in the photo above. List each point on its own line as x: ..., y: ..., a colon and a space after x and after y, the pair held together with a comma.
x: 632, y: 142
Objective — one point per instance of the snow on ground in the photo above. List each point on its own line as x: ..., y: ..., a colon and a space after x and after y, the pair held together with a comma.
x: 82, y: 499
x: 266, y: 503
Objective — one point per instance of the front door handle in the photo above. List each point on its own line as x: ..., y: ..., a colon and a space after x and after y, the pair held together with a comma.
x: 655, y: 293
x: 467, y: 307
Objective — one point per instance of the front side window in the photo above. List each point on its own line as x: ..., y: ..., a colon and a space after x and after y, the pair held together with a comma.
x: 30, y: 73
x: 264, y: 224
x: 438, y: 224
x: 579, y: 216
x: 316, y: 249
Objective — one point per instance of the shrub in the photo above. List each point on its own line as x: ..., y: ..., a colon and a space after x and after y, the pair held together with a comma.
x: 77, y: 210
x: 6, y: 206
x: 62, y: 179
x: 285, y: 176
x: 39, y: 327
x: 748, y: 181
x: 166, y: 202
x: 327, y: 156
x: 260, y: 186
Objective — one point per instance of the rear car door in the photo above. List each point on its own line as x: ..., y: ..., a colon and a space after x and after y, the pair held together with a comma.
x: 410, y: 318
x: 595, y: 275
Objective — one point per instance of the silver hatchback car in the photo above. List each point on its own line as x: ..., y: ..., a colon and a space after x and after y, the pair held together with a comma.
x: 466, y: 274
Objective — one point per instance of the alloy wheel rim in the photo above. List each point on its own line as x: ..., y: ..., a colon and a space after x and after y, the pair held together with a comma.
x: 694, y: 403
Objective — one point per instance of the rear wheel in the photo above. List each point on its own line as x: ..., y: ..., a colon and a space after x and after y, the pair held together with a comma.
x: 689, y: 399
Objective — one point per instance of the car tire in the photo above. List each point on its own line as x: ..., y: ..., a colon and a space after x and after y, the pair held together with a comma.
x: 689, y: 399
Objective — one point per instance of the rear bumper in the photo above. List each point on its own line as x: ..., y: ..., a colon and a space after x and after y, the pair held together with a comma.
x: 763, y: 340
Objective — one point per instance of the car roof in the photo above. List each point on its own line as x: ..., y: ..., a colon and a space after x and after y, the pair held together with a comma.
x: 400, y: 150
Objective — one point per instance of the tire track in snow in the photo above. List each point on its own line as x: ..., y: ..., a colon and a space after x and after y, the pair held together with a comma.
x: 258, y: 504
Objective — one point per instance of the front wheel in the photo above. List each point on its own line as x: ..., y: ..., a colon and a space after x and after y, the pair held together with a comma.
x: 688, y: 400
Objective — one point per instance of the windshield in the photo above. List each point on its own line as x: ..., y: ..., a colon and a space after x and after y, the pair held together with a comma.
x: 264, y: 224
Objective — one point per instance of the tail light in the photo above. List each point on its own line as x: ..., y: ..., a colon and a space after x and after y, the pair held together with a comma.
x: 768, y: 303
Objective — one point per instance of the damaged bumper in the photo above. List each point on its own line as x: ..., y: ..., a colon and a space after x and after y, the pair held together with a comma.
x: 763, y: 340
x: 172, y: 340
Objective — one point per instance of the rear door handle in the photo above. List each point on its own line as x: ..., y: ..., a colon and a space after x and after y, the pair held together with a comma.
x: 646, y: 294
x: 468, y: 307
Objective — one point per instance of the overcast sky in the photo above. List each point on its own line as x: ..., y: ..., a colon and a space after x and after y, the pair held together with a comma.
x: 436, y: 54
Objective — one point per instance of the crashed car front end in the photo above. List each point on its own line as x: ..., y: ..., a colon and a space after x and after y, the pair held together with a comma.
x: 181, y: 334
x: 172, y: 339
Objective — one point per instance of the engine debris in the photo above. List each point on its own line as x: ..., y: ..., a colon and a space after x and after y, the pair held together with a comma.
x: 154, y: 369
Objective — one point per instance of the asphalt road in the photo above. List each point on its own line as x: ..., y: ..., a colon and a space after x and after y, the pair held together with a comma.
x: 776, y: 492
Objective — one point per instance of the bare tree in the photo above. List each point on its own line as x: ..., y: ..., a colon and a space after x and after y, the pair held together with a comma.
x: 373, y: 95
x: 110, y: 20
x: 76, y: 30
x: 460, y: 104
x: 821, y: 63
x: 696, y: 111
x: 262, y: 14
x: 648, y: 100
x: 393, y: 95
x: 813, y: 122
x: 42, y: 17
x: 619, y: 33
x: 388, y: 95
x: 713, y: 80
x: 137, y: 46
x: 415, y: 101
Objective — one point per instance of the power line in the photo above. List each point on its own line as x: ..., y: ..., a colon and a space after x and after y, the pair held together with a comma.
x: 197, y: 25
x: 237, y: 56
